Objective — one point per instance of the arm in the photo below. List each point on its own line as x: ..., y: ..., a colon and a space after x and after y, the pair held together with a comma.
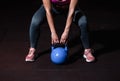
x: 47, y: 6
x: 70, y: 14
x: 72, y: 6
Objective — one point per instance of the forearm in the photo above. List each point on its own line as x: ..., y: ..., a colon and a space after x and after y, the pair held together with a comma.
x: 70, y: 15
x: 47, y: 6
x: 68, y: 23
x: 50, y: 22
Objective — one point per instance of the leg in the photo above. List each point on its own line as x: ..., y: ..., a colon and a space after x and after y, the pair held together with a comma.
x: 34, y: 31
x: 81, y: 20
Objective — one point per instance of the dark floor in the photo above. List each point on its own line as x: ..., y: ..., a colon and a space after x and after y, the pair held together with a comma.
x: 104, y: 28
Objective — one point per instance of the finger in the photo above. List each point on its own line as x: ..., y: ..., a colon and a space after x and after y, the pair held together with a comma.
x: 66, y: 42
x: 55, y: 41
x: 52, y: 42
x: 62, y: 41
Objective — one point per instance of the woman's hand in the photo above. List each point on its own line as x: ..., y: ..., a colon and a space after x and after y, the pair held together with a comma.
x: 64, y: 37
x: 54, y: 38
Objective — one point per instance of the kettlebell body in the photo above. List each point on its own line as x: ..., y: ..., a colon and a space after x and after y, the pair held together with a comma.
x: 59, y: 54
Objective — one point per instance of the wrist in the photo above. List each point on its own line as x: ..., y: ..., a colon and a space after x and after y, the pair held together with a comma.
x: 66, y: 30
x: 52, y: 33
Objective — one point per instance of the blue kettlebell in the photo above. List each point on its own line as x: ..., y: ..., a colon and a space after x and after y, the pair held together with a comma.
x: 59, y: 54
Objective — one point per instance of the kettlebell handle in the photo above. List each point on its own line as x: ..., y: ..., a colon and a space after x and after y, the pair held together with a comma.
x: 66, y: 48
x: 53, y: 47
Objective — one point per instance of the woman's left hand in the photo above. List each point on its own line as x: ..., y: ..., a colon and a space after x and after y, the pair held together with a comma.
x: 64, y: 37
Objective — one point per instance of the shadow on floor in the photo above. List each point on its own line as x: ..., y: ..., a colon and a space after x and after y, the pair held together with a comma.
x: 102, y: 42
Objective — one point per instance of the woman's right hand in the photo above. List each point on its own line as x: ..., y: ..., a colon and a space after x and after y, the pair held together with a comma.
x: 54, y: 38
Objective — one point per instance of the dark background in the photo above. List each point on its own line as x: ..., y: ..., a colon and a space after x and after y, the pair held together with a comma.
x: 104, y: 26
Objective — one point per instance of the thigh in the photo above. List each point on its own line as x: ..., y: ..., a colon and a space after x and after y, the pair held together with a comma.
x: 79, y: 17
x: 39, y: 15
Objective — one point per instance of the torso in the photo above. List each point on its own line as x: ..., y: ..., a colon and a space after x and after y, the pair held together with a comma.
x: 60, y: 2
